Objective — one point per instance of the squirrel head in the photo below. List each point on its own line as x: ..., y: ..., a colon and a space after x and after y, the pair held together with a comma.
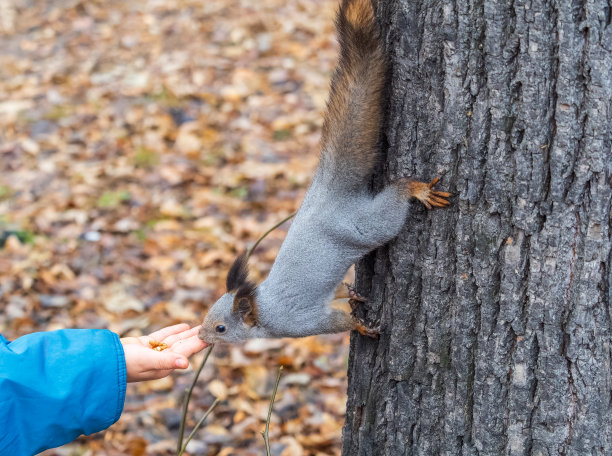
x: 234, y: 317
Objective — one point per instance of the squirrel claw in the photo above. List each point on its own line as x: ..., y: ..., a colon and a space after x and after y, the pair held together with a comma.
x: 353, y: 295
x: 424, y: 192
x: 355, y: 298
x: 370, y: 332
x: 353, y: 302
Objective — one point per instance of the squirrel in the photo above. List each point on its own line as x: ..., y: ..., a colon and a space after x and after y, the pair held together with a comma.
x: 340, y: 219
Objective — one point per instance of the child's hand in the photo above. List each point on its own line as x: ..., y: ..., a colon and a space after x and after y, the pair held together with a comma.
x: 145, y: 363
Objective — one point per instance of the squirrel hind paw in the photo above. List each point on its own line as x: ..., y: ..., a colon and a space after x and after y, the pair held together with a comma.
x: 365, y: 331
x: 353, y: 296
x: 425, y: 194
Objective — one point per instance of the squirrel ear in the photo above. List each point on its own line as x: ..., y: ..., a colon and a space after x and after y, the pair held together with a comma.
x: 238, y: 273
x: 246, y: 308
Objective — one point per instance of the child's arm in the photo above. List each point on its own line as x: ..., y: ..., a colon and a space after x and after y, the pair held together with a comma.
x: 57, y: 385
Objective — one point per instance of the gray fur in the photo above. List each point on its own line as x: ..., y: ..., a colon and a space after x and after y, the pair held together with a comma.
x: 331, y: 231
x: 329, y: 234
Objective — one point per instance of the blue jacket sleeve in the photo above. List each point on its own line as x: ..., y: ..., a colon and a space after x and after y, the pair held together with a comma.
x: 57, y: 385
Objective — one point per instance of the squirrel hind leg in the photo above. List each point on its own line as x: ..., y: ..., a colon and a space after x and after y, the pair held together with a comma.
x: 366, y: 331
x: 354, y: 300
x: 354, y: 296
x: 425, y: 193
x: 348, y: 291
x: 342, y: 319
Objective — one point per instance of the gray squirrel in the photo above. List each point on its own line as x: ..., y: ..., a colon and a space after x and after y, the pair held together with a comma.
x: 340, y: 219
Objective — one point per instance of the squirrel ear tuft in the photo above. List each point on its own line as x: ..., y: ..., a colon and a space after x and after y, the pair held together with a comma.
x: 238, y: 273
x: 246, y: 308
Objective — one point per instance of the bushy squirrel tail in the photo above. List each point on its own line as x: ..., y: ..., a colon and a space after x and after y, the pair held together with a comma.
x: 353, y: 119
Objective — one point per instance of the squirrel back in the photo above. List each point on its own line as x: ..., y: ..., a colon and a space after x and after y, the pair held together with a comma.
x: 352, y: 121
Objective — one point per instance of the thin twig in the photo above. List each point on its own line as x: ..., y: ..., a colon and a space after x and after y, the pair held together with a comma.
x: 262, y: 237
x: 197, y: 426
x: 180, y: 447
x: 186, y: 400
x: 265, y: 432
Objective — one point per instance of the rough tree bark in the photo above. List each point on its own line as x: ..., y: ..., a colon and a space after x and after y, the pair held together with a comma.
x: 495, y: 313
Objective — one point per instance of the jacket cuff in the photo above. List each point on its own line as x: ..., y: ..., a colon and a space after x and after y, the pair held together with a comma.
x: 121, y: 377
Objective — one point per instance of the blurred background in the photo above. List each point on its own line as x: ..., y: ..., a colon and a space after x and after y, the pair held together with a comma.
x: 143, y: 144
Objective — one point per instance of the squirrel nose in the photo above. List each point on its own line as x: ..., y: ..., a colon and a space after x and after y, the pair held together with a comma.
x: 201, y: 335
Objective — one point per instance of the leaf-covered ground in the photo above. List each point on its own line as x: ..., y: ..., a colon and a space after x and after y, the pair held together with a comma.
x: 143, y: 144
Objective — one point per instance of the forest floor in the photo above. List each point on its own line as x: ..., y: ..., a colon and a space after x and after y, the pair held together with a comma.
x: 143, y: 145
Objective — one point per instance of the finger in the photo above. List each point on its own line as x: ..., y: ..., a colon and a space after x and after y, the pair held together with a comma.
x: 444, y: 194
x: 163, y: 360
x: 161, y: 334
x: 172, y: 361
x: 151, y: 375
x: 171, y: 340
x: 157, y: 374
x: 188, y: 347
x: 439, y: 201
x: 434, y: 182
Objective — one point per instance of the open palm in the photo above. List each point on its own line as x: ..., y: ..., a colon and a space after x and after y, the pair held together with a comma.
x: 144, y: 363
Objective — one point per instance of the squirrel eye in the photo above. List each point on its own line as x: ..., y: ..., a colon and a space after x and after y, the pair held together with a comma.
x: 220, y: 328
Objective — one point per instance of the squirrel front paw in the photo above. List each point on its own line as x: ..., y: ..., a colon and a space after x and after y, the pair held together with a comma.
x: 425, y: 194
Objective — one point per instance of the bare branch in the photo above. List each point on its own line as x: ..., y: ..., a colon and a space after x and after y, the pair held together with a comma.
x: 179, y: 445
x: 199, y: 423
x: 265, y: 432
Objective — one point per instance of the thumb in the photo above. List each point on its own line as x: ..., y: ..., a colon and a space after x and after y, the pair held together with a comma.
x: 169, y: 361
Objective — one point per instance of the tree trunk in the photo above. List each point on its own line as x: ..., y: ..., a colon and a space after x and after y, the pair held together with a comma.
x: 495, y: 313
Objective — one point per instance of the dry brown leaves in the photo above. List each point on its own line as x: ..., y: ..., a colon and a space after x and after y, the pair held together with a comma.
x: 144, y: 144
